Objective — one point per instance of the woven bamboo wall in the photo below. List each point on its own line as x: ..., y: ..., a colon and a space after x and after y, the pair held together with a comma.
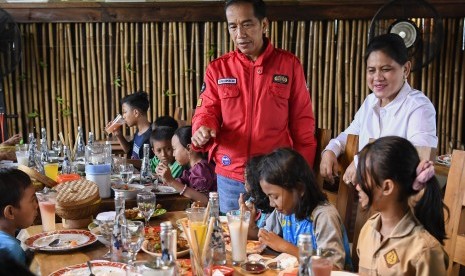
x: 75, y: 73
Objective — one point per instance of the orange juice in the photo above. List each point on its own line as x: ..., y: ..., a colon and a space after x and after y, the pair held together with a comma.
x: 199, y: 229
x: 51, y: 170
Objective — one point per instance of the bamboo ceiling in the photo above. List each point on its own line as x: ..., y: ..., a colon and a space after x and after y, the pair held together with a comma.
x: 75, y: 73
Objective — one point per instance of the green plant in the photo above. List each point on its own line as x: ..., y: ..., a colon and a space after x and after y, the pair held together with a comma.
x: 129, y: 68
x: 118, y: 82
x: 33, y: 114
x: 169, y: 93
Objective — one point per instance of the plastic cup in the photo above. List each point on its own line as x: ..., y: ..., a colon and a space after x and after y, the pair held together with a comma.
x: 115, y: 124
x: 22, y: 154
x: 321, y: 266
x: 197, y: 227
x: 51, y: 170
x: 47, y: 201
x: 238, y: 226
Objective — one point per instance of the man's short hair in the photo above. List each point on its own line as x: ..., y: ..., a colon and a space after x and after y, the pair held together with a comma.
x: 259, y: 7
x: 162, y: 133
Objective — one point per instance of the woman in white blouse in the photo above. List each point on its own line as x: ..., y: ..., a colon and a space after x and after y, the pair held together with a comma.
x: 394, y: 108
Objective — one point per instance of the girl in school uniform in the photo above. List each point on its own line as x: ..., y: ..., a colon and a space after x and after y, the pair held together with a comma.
x: 399, y: 239
x: 300, y: 207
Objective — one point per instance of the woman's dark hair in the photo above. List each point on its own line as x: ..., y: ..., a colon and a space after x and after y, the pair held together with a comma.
x: 286, y: 168
x: 184, y: 134
x: 13, y: 182
x: 262, y: 201
x: 138, y: 100
x: 259, y: 7
x: 395, y: 158
x: 390, y: 44
x: 166, y: 121
x: 162, y: 133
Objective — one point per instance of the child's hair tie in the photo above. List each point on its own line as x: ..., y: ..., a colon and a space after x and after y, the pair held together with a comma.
x: 425, y: 170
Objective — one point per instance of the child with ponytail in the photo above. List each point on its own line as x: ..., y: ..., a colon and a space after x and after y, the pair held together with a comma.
x: 399, y: 239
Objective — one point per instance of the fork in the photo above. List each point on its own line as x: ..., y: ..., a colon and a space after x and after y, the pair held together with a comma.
x: 89, y: 265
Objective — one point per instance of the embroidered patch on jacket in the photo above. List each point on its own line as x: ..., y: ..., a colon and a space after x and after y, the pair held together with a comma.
x: 227, y: 81
x: 199, y: 102
x: 391, y: 258
x: 204, y: 86
x: 283, y: 79
x: 225, y: 160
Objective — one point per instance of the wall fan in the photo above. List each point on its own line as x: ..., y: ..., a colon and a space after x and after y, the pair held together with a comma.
x: 10, y: 56
x: 417, y: 22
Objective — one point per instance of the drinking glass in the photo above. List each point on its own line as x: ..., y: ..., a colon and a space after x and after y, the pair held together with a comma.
x: 238, y: 223
x: 22, y: 154
x: 47, y: 200
x: 321, y: 266
x: 197, y: 225
x: 146, y: 201
x: 57, y: 147
x: 117, y: 122
x: 51, y: 170
x: 126, y: 171
x: 106, y: 231
x: 132, y: 236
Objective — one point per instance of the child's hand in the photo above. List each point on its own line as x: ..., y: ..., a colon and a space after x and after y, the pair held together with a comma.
x: 13, y: 140
x: 164, y: 172
x: 272, y: 240
x: 248, y: 207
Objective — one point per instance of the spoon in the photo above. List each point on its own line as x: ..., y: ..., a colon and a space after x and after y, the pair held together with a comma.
x: 89, y: 265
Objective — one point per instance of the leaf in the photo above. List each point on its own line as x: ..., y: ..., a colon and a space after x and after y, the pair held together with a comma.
x: 212, y: 50
x: 117, y: 82
x: 168, y: 93
x: 66, y: 112
x: 129, y: 68
x: 59, y: 99
x: 33, y: 114
x: 43, y: 64
x: 22, y: 77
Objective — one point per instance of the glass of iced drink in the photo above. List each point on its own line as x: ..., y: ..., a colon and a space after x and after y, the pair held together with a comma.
x: 22, y: 154
x: 115, y: 124
x: 197, y: 226
x: 47, y: 200
x: 238, y: 224
x: 321, y: 266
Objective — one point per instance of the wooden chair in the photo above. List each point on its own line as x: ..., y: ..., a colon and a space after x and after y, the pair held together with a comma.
x: 455, y: 224
x: 189, y: 115
x: 322, y: 139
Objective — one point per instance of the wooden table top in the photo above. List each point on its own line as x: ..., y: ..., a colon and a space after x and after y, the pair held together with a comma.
x: 47, y: 262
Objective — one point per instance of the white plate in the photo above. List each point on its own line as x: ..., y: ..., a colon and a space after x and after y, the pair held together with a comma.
x: 341, y: 273
x: 445, y: 159
x: 99, y: 268
x: 69, y: 240
x: 223, y: 219
x: 166, y: 190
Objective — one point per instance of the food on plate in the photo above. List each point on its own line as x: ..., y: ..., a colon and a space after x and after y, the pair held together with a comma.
x: 131, y: 213
x: 252, y: 247
x: 152, y: 235
x: 124, y: 187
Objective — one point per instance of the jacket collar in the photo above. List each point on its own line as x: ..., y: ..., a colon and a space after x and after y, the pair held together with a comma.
x: 402, y: 229
x: 396, y: 104
x: 262, y: 57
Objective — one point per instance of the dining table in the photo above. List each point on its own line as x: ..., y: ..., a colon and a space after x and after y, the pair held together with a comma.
x: 45, y: 263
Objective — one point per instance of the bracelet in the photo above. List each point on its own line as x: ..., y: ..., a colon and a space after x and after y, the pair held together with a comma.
x: 183, y: 190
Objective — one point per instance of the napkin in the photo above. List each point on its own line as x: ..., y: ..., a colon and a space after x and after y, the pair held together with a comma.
x: 217, y: 272
x: 285, y: 260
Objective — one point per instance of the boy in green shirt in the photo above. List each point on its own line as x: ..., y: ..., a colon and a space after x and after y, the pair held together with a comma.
x: 161, y: 146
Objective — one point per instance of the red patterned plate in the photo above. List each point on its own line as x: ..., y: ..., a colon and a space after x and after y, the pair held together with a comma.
x: 68, y: 240
x: 98, y: 268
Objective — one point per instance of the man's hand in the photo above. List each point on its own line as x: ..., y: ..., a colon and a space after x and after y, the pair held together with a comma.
x: 201, y: 137
x: 329, y: 166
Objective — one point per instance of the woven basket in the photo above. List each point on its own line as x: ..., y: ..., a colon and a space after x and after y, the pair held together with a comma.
x: 78, y: 212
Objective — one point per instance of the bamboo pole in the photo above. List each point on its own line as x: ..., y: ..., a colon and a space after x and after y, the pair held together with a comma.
x: 197, y: 58
x: 164, y: 53
x: 182, y: 67
x: 104, y: 82
x: 456, y: 87
x: 66, y: 48
x: 98, y: 83
x: 159, y: 76
x: 170, y: 66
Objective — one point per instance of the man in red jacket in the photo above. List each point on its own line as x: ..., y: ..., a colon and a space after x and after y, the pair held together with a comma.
x: 253, y: 100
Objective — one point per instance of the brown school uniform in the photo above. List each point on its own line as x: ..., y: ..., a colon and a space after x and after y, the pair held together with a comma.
x: 410, y: 249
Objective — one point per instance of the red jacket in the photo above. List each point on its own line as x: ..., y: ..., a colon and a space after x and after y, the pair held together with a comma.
x: 255, y: 107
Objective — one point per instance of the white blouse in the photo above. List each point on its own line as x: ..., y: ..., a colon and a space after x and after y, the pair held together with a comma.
x: 410, y: 115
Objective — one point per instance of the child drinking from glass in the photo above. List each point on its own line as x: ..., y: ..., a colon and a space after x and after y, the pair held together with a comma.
x: 135, y: 107
x: 399, y: 240
x: 18, y: 205
x: 300, y: 207
x: 254, y: 200
x: 163, y: 150
x: 196, y: 181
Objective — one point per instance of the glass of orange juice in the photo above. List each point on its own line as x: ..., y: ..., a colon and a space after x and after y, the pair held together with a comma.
x: 197, y: 227
x: 51, y: 170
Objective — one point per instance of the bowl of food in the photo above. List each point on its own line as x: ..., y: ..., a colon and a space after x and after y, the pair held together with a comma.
x: 152, y: 243
x: 129, y: 190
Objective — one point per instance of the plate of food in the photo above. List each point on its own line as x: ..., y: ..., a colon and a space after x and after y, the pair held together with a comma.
x: 129, y: 190
x: 60, y: 240
x: 445, y: 159
x: 164, y: 190
x: 135, y: 214
x: 152, y: 245
x: 99, y: 268
x: 253, y: 247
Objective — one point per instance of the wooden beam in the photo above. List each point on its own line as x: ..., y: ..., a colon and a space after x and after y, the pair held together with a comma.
x: 202, y: 11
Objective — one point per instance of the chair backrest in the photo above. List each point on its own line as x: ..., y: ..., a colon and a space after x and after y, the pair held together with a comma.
x: 455, y: 224
x: 322, y: 136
